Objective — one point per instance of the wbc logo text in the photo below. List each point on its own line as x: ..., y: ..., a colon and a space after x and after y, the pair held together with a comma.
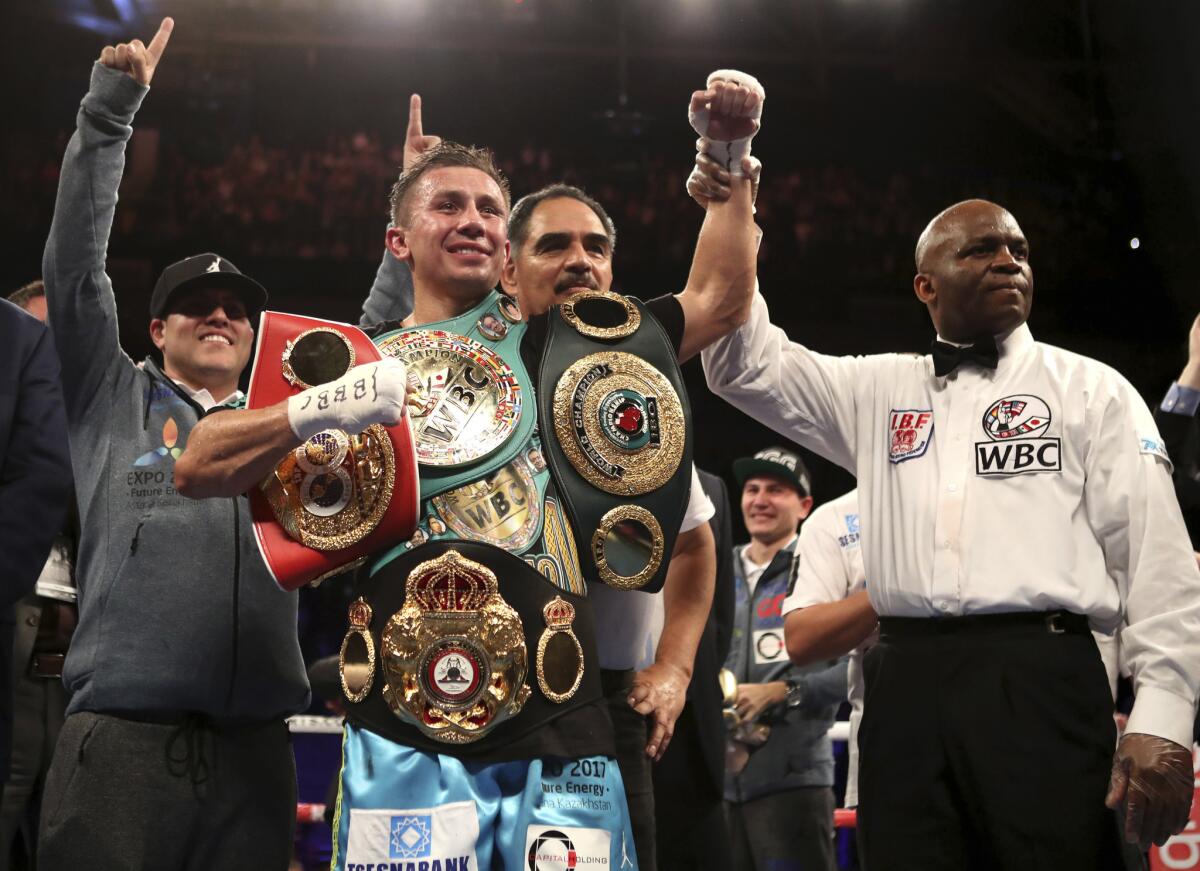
x: 1013, y: 426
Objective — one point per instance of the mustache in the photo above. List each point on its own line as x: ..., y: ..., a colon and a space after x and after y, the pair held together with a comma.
x: 576, y: 281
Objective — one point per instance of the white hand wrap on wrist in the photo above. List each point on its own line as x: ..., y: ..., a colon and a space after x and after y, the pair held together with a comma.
x: 728, y: 153
x: 367, y: 394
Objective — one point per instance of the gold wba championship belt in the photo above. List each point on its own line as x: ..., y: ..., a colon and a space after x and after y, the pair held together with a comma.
x: 465, y: 645
x: 617, y: 435
x: 454, y: 656
x: 340, y: 496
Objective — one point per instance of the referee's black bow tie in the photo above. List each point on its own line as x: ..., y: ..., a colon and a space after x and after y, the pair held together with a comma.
x: 947, y: 357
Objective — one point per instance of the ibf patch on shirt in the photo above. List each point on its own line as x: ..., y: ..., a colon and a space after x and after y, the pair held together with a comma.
x: 550, y: 848
x: 769, y: 646
x: 1013, y: 426
x: 441, y: 838
x: 910, y: 431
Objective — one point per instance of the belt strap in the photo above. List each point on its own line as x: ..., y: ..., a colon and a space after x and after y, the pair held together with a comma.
x: 1007, y: 623
x: 47, y: 665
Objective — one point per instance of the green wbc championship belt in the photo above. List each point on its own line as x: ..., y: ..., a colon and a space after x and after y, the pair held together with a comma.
x: 617, y: 432
x: 470, y: 406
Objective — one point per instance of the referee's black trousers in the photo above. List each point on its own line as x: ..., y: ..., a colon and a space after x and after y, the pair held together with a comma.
x: 986, y: 743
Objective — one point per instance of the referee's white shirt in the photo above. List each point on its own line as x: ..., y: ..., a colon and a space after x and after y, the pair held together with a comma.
x: 1042, y: 484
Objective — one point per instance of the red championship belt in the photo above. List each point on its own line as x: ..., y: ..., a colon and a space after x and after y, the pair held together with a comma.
x: 339, y: 497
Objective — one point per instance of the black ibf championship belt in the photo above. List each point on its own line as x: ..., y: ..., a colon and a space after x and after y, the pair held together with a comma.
x: 465, y: 644
x: 620, y: 445
x: 339, y: 496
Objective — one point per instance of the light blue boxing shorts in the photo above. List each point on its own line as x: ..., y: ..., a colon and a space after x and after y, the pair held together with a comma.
x: 401, y: 809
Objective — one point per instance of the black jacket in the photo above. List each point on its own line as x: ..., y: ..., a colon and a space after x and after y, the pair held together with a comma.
x: 699, y: 732
x: 35, y: 476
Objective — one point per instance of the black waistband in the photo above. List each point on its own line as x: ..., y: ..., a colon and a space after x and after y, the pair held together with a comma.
x: 1007, y: 623
x: 527, y: 591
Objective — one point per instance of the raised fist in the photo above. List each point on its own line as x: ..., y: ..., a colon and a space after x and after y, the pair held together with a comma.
x: 726, y: 111
x: 136, y: 59
x: 727, y: 115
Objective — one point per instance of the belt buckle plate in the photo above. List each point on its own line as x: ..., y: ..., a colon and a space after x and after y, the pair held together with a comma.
x: 454, y: 656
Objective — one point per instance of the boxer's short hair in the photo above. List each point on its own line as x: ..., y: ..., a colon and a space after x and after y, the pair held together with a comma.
x: 522, y: 212
x: 445, y: 154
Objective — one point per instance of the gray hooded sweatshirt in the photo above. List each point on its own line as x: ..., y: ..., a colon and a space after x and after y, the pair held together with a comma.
x: 177, y: 612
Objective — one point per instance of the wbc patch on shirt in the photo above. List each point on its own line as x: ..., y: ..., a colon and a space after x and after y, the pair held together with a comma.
x: 419, y: 839
x: 1013, y: 426
x: 910, y: 432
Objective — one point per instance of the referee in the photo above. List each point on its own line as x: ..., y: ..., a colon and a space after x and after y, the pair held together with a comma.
x: 1012, y: 495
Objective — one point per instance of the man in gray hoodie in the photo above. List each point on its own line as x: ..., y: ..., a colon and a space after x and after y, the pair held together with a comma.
x: 175, y: 751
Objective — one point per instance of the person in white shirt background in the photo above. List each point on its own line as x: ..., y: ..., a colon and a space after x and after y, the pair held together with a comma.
x: 827, y: 611
x: 1012, y: 494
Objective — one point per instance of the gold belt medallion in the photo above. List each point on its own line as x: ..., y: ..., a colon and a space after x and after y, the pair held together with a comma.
x: 356, y: 660
x: 454, y: 655
x: 466, y: 401
x: 332, y: 491
x: 591, y: 313
x: 628, y: 547
x: 559, y: 653
x: 620, y: 423
x: 502, y: 509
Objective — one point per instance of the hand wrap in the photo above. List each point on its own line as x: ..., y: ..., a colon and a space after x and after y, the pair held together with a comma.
x: 367, y: 394
x: 728, y: 153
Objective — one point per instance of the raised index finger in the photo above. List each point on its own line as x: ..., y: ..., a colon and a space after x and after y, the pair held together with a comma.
x: 414, y: 116
x: 161, y: 38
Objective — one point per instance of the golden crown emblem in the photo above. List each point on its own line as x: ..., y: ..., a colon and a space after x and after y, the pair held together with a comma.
x: 360, y: 614
x: 559, y: 613
x: 451, y: 583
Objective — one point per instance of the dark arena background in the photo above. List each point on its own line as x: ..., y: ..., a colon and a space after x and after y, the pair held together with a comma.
x: 275, y: 129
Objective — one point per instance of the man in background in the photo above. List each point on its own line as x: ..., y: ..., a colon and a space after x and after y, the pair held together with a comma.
x: 689, y: 779
x: 827, y: 612
x: 35, y: 476
x: 780, y: 804
x: 1176, y: 419
x: 45, y: 621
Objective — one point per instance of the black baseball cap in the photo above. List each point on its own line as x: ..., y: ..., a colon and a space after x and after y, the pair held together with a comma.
x: 205, y: 270
x: 777, y: 463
